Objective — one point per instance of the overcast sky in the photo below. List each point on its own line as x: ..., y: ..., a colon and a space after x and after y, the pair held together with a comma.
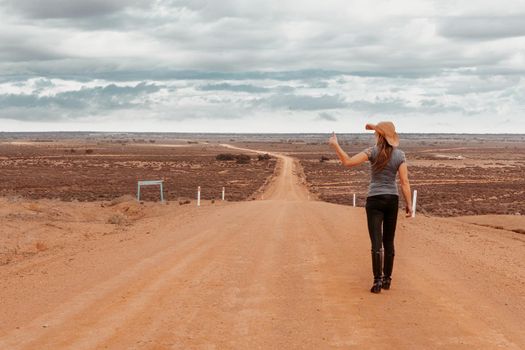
x: 262, y: 65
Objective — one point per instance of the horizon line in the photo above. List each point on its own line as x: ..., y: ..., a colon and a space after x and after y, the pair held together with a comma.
x: 249, y: 133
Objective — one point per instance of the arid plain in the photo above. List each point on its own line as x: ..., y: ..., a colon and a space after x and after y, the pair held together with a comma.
x: 279, y: 264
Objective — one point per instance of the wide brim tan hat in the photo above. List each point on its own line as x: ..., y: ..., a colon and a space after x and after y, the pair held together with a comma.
x: 388, y: 130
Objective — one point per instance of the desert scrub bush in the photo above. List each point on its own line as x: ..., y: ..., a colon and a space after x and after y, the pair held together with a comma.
x: 225, y: 156
x: 262, y: 157
x: 89, y: 151
x: 242, y: 159
x: 239, y: 158
x: 323, y: 159
x: 117, y: 219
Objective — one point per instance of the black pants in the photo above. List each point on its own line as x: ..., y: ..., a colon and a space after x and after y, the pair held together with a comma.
x: 381, y: 213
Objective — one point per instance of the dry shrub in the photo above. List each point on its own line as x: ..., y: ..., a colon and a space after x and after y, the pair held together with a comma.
x: 89, y: 151
x: 34, y: 207
x: 262, y: 157
x: 225, y: 157
x: 238, y: 158
x: 117, y: 219
x: 242, y: 159
x: 183, y: 202
x: 122, y: 199
x: 14, y: 199
x: 8, y: 254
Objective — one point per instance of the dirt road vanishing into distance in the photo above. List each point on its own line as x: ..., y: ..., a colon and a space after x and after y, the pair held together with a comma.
x: 281, y: 272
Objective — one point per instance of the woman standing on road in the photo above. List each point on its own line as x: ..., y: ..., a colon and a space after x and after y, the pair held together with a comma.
x: 386, y: 161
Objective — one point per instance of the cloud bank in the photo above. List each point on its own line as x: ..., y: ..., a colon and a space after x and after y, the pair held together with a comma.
x: 276, y: 66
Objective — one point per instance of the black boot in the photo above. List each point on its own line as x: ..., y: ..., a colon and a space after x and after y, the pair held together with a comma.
x: 388, y: 266
x: 385, y: 284
x: 376, y: 287
x: 376, y: 268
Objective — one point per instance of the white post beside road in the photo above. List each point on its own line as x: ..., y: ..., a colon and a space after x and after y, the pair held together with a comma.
x: 223, y: 192
x: 199, y: 196
x: 414, y: 199
x: 354, y: 200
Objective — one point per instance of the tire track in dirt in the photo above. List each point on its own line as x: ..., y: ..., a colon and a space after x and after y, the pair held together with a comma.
x: 214, y: 285
x: 116, y: 295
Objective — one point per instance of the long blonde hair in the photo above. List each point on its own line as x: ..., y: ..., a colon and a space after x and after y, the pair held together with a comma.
x: 383, y: 155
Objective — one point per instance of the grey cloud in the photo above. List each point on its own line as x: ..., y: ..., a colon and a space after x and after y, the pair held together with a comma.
x: 482, y: 28
x: 88, y: 70
x: 43, y: 83
x: 430, y: 106
x: 303, y: 102
x: 32, y: 114
x: 224, y: 36
x: 396, y: 105
x: 284, y: 89
x: 76, y: 103
x: 270, y: 55
x: 168, y: 74
x: 479, y: 85
x: 235, y: 88
x: 239, y: 35
x: 381, y: 105
x: 70, y: 8
x: 25, y: 47
x: 248, y: 88
x: 214, y: 10
x: 207, y: 112
x: 108, y: 97
x: 318, y: 84
x: 23, y: 52
x: 326, y: 117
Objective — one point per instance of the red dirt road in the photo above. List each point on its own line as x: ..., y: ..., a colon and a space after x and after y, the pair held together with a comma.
x: 278, y: 273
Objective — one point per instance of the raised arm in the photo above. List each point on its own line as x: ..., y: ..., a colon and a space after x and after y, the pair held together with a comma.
x: 405, y: 188
x: 347, y: 161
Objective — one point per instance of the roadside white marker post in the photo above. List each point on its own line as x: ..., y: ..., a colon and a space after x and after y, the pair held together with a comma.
x: 414, y: 199
x: 223, y: 192
x: 199, y: 196
x: 354, y: 200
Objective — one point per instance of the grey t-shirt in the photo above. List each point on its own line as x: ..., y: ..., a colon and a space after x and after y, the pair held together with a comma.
x: 384, y: 181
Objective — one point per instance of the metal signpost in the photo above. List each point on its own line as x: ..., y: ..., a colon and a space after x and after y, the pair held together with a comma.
x: 151, y: 183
